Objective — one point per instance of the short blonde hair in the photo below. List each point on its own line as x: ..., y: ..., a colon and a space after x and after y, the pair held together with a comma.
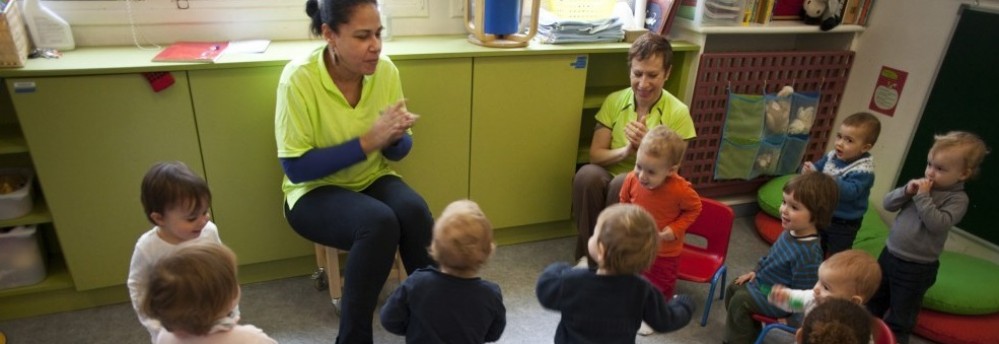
x: 629, y: 237
x: 972, y: 148
x: 818, y: 192
x: 463, y: 237
x: 192, y: 288
x: 664, y: 143
x: 860, y: 268
x: 868, y: 122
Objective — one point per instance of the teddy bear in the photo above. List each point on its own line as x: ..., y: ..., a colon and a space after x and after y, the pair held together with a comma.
x: 778, y: 111
x: 802, y: 123
x: 827, y: 14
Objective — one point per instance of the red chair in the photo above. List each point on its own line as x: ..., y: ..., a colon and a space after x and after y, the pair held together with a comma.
x: 707, y: 264
x: 882, y: 333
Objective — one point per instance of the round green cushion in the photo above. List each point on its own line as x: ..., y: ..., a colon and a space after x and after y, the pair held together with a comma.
x: 872, y: 227
x: 771, y: 194
x: 964, y: 286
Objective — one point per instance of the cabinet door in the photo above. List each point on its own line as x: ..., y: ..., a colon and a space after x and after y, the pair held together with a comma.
x: 235, y: 113
x: 440, y: 91
x: 525, y: 130
x: 92, y: 138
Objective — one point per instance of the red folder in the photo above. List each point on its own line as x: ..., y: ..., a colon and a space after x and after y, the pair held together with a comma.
x: 206, y: 52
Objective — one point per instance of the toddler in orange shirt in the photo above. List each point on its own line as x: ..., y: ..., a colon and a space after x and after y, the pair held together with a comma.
x: 655, y: 186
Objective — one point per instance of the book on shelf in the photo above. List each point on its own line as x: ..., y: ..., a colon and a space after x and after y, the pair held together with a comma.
x: 787, y: 10
x: 851, y: 11
x: 205, y: 52
x: 865, y: 12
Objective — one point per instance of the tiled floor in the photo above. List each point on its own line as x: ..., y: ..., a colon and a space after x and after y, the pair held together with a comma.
x: 291, y: 311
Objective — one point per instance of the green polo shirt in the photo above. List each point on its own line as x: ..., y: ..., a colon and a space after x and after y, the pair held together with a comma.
x: 313, y: 113
x: 619, y: 109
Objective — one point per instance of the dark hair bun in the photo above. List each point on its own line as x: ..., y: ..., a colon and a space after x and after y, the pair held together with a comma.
x: 312, y: 8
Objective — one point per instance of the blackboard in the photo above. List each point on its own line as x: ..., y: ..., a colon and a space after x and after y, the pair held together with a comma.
x: 965, y: 96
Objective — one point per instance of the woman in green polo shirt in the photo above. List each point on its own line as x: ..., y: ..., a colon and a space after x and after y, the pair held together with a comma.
x: 622, y: 121
x: 339, y: 119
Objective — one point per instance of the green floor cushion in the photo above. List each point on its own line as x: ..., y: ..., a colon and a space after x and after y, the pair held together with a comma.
x: 768, y: 227
x: 874, y: 246
x: 957, y: 329
x: 964, y: 286
x: 872, y: 227
x: 771, y: 193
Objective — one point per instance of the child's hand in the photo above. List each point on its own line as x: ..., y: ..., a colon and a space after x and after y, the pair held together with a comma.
x: 745, y: 278
x: 924, y: 185
x: 667, y: 234
x: 808, y: 166
x: 911, y: 187
x: 778, y: 294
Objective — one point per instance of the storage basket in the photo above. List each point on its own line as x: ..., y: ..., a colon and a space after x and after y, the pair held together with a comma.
x: 13, y: 37
x: 580, y: 9
x: 15, y: 192
x: 21, y: 259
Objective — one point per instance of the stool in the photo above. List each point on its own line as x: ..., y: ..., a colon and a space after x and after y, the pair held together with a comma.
x: 328, y: 261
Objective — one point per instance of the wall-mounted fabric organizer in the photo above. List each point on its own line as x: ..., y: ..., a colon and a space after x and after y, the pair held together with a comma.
x: 764, y: 134
x: 825, y: 72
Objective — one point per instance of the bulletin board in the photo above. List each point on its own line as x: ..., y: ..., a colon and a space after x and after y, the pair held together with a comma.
x: 964, y: 97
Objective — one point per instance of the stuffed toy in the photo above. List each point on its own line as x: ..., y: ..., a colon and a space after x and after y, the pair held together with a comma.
x: 766, y: 161
x: 802, y: 123
x: 778, y: 111
x: 827, y: 14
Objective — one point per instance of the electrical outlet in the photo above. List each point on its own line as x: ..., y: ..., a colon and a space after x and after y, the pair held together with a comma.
x: 458, y: 8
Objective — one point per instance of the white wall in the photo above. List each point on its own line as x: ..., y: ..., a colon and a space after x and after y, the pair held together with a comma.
x: 910, y: 35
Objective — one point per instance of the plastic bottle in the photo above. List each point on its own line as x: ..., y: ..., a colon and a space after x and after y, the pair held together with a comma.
x: 47, y: 30
x: 386, y: 18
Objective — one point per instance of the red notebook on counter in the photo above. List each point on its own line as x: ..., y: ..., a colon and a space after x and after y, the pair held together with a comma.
x: 206, y: 52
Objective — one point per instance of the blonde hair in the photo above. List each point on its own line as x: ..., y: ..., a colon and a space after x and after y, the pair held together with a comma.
x: 972, y: 148
x: 463, y: 238
x: 192, y: 288
x: 837, y: 321
x: 859, y: 267
x: 664, y: 143
x: 867, y: 121
x: 818, y: 192
x: 629, y: 238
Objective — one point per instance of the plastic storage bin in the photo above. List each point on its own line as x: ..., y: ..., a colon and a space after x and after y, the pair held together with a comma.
x: 15, y: 192
x: 713, y: 12
x: 21, y: 261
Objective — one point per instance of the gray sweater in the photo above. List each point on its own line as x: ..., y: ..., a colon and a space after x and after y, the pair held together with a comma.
x: 920, y: 230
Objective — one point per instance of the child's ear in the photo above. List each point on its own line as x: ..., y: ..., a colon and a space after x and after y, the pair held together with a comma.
x: 674, y: 170
x: 157, y: 218
x: 866, y: 147
x: 799, y: 336
x: 857, y: 299
x: 601, y: 251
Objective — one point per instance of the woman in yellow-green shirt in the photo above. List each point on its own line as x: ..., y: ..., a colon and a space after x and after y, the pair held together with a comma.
x: 339, y: 119
x: 622, y: 121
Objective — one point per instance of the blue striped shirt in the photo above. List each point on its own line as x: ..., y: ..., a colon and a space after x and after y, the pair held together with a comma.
x: 792, y: 262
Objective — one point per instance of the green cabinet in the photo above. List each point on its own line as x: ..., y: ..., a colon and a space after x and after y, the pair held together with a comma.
x: 234, y: 108
x: 92, y: 138
x: 440, y: 91
x: 525, y: 132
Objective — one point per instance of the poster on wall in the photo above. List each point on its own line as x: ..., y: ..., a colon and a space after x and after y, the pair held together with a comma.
x: 887, y: 90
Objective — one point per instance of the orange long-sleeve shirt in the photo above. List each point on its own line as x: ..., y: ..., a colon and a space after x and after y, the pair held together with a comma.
x: 674, y: 204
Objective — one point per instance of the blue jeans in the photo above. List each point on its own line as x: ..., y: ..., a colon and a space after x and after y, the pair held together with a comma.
x: 839, y: 236
x: 903, y: 285
x: 371, y: 224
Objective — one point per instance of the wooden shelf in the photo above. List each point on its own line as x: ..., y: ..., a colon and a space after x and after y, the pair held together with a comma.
x: 11, y: 140
x: 57, y: 278
x: 775, y: 27
x: 39, y: 214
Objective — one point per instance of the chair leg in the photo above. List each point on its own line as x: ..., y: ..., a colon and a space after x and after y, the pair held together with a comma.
x: 724, y: 274
x: 319, y: 276
x: 719, y: 275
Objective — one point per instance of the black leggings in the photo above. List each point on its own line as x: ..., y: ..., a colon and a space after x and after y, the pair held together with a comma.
x: 371, y: 224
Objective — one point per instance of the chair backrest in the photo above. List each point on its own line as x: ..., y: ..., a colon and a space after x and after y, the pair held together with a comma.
x: 882, y: 333
x: 714, y: 224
